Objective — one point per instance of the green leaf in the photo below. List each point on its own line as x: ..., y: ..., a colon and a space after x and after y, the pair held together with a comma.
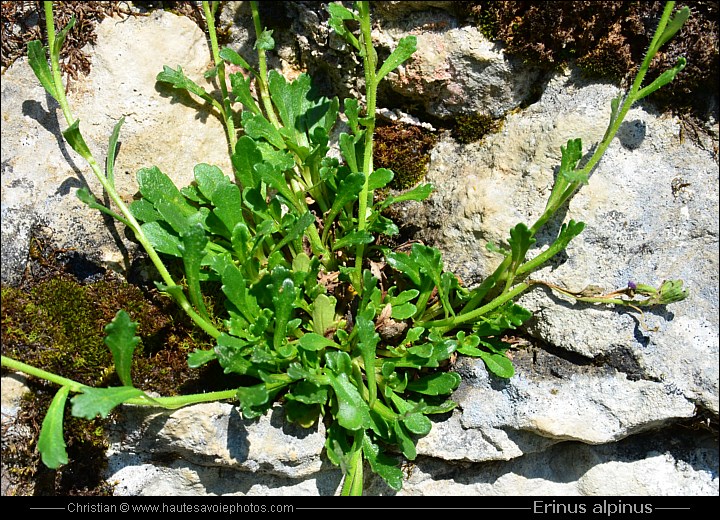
x: 313, y: 342
x: 291, y: 100
x: 571, y: 154
x: 276, y: 179
x: 521, y: 239
x: 338, y: 15
x: 161, y: 239
x: 76, y: 141
x: 383, y: 225
x: 254, y: 400
x: 498, y: 364
x: 404, y: 441
x: 296, y: 231
x: 420, y: 192
x: 100, y: 401
x: 229, y: 55
x: 380, y: 178
x: 177, y: 79
x: 353, y: 412
x: 121, y: 339
x: 430, y: 262
x: 406, y: 48
x: 241, y: 88
x: 405, y: 264
x: 155, y: 186
x: 508, y: 316
x: 673, y: 26
x: 347, y: 148
x: 352, y: 112
x: 192, y: 249
x: 383, y: 465
x: 39, y: 64
x: 283, y: 296
x: 235, y: 288
x: 61, y: 35
x: 85, y: 196
x: 51, y: 443
x: 347, y: 192
x: 662, y: 80
x: 112, y: 150
x: 352, y: 239
x: 403, y: 311
x: 309, y: 393
x: 442, y: 383
x: 198, y: 358
x: 257, y: 127
x: 323, y: 313
x: 265, y: 41
x: 246, y: 156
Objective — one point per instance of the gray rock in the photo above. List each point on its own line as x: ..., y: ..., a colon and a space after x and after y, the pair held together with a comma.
x: 40, y: 173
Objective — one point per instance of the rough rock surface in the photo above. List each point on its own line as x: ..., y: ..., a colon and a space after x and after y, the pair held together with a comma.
x: 598, y: 412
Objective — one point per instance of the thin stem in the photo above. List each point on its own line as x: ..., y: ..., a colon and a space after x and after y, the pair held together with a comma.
x: 110, y: 189
x: 75, y: 387
x: 369, y: 63
x: 262, y: 77
x: 220, y: 64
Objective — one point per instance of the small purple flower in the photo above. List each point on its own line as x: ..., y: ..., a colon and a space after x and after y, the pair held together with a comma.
x: 632, y: 285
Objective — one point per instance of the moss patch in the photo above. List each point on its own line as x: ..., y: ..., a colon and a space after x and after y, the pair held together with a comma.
x: 56, y: 323
x: 609, y: 40
x: 473, y: 127
x: 404, y: 149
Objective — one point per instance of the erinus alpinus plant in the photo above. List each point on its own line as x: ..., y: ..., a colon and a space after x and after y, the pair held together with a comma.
x: 312, y: 308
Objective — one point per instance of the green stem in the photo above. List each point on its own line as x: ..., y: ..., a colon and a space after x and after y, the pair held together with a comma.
x: 220, y: 64
x: 110, y: 189
x: 164, y: 402
x: 369, y: 64
x: 262, y: 77
x: 473, y: 315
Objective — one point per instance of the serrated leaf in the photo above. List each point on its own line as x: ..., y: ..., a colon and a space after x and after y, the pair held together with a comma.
x: 662, y: 80
x: 179, y: 80
x: 246, y: 156
x: 283, y: 296
x: 406, y: 265
x: 265, y: 41
x: 404, y: 441
x: 51, y: 443
x: 406, y: 48
x: 37, y: 58
x: 121, y: 340
x: 383, y: 465
x: 571, y: 154
x: 100, y: 401
x: 520, y: 241
x: 295, y: 231
x: 673, y: 26
x: 229, y: 55
x: 257, y: 127
x: 198, y: 358
x: 509, y: 316
x: 403, y: 311
x: 241, y: 89
x: 347, y: 192
x: 309, y: 393
x: 383, y: 225
x: 420, y: 192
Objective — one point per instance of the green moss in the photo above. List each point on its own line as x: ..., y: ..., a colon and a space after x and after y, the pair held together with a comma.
x: 58, y: 324
x: 473, y: 127
x: 404, y: 149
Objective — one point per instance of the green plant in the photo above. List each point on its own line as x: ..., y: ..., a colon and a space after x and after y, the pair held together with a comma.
x: 313, y: 308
